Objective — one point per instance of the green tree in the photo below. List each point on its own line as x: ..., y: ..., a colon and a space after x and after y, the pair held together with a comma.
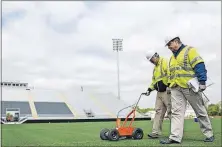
x: 220, y: 110
x: 213, y: 109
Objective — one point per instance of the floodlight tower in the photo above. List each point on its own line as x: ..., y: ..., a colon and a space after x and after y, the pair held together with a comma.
x: 117, y: 46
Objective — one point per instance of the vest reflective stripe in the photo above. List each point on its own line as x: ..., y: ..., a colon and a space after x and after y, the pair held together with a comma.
x: 180, y: 68
x: 161, y: 71
x: 163, y: 75
x: 161, y: 67
x: 182, y: 75
x: 186, y: 57
x: 195, y: 59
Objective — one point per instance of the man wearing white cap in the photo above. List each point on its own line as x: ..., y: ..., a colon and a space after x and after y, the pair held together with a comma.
x: 159, y: 83
x: 184, y: 65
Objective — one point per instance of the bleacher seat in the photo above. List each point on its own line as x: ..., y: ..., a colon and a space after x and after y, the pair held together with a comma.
x: 52, y: 109
x: 23, y: 106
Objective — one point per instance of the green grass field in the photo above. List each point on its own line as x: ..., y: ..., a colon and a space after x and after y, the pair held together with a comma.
x: 87, y: 134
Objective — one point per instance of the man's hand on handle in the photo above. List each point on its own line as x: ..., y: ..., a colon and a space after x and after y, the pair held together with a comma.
x: 202, y: 88
x: 147, y: 93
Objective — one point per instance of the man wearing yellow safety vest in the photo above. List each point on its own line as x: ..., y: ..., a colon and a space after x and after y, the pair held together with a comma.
x: 185, y: 64
x: 159, y: 83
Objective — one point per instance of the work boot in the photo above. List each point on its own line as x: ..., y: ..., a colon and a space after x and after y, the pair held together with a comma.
x: 210, y: 139
x: 168, y: 141
x: 153, y: 136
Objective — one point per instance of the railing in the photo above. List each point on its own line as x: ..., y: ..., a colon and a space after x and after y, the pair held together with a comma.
x: 22, y: 120
x: 55, y: 115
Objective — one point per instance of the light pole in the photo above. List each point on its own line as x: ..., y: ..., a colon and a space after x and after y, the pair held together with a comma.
x: 117, y: 46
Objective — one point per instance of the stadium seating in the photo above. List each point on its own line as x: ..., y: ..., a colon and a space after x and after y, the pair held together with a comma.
x: 43, y: 104
x: 49, y: 109
x: 23, y: 106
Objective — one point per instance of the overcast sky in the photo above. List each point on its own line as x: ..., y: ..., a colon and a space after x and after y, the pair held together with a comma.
x: 66, y: 45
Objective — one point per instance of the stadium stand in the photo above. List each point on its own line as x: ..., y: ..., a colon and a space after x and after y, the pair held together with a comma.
x: 37, y: 104
x: 83, y: 102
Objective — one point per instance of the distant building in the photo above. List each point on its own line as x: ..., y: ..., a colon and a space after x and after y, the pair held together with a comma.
x: 190, y: 113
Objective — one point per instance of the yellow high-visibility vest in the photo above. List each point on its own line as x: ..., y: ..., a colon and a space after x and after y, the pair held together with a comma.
x: 159, y: 72
x: 181, y: 68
